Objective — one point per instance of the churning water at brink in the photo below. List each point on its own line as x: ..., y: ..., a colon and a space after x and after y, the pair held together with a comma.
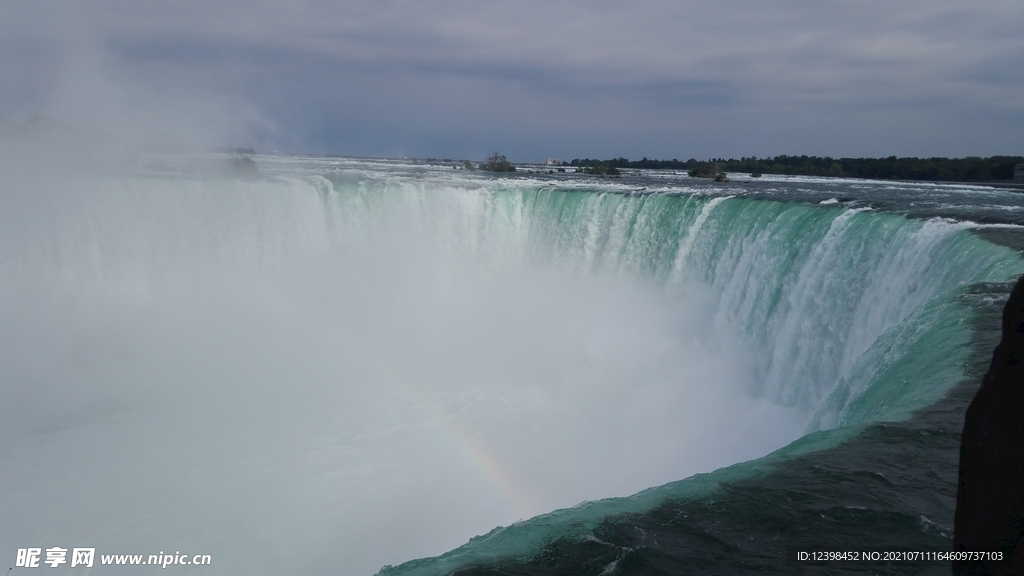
x: 347, y: 364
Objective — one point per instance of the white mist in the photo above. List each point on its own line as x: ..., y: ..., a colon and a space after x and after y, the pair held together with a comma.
x: 299, y: 386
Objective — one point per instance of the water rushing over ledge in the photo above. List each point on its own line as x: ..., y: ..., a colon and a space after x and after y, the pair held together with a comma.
x: 378, y: 361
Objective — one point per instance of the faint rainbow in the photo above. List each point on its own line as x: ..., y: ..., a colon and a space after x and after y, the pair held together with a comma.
x: 489, y: 466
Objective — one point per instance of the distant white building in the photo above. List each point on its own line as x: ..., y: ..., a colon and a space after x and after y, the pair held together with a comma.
x: 554, y: 162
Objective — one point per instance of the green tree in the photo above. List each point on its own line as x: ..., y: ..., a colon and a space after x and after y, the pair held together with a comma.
x: 708, y: 170
x: 497, y: 163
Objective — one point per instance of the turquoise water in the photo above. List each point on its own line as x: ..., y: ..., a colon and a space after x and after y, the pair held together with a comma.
x: 849, y: 314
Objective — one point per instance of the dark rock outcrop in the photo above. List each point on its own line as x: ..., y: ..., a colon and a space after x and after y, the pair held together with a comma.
x: 990, y: 496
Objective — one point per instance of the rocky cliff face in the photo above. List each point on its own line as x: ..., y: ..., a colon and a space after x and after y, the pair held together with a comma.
x: 990, y: 496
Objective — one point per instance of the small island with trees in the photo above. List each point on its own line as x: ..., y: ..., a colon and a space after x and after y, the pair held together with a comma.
x: 497, y: 163
x: 710, y: 170
x: 600, y: 170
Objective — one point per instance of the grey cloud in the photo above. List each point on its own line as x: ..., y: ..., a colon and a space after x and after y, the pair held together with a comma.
x: 711, y: 69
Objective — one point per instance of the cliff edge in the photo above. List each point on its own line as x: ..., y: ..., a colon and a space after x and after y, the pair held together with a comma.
x: 990, y: 495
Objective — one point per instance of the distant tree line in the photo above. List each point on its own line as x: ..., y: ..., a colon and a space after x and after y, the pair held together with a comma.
x: 641, y: 164
x: 971, y: 169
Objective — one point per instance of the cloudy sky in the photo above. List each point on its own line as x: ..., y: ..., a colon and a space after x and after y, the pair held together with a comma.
x: 532, y: 79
